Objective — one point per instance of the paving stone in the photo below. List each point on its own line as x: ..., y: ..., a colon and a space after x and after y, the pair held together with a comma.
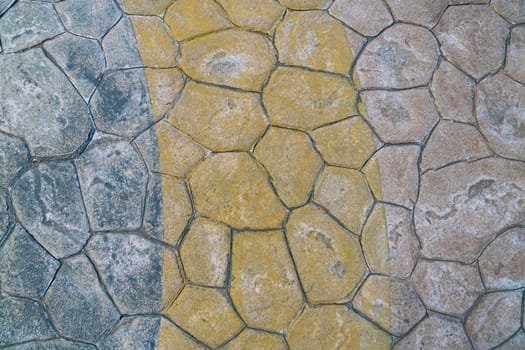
x: 401, y: 116
x: 139, y: 332
x: 22, y: 320
x: 345, y: 194
x: 154, y: 42
x: 423, y: 12
x: 80, y: 58
x: 452, y: 142
x: 292, y: 163
x: 453, y: 93
x: 389, y: 241
x: 170, y: 334
x: 495, y: 319
x: 472, y: 38
x: 233, y: 57
x: 120, y: 46
x: 320, y: 36
x: 502, y: 264
x: 392, y: 303
x: 325, y: 255
x: 306, y: 4
x: 259, y: 15
x: 447, y: 287
x: 53, y: 344
x: 13, y: 157
x: 500, y: 104
x: 436, y: 332
x: 403, y: 56
x: 355, y: 40
x: 28, y: 24
x: 92, y: 19
x: 368, y: 17
x: 172, y: 277
x: 238, y: 194
x: 56, y: 122
x: 5, y: 5
x: 218, y: 118
x: 139, y: 7
x: 121, y: 104
x: 455, y: 219
x: 163, y: 86
x: 48, y: 203
x: 302, y: 99
x: 249, y: 339
x: 517, y: 342
x: 113, y: 180
x: 512, y: 10
x: 206, y: 314
x: 205, y: 252
x: 264, y: 287
x: 5, y: 214
x: 188, y: 19
x: 516, y: 54
x: 334, y: 327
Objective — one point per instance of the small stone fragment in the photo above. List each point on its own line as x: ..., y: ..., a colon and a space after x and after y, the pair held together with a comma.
x: 170, y: 335
x: 137, y: 333
x: 250, y: 339
x: 145, y: 8
x: 306, y: 4
x: 155, y: 45
x: 516, y: 54
x: 163, y: 86
x: 512, y: 10
x: 172, y: 277
x: 259, y: 15
x: 423, y: 12
x: 13, y: 157
x: 368, y: 17
x: 93, y: 19
x: 120, y: 46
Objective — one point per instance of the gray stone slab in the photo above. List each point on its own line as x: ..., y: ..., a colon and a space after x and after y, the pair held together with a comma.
x: 5, y: 214
x: 137, y: 333
x: 153, y: 214
x: 53, y: 344
x: 13, y: 156
x: 516, y: 54
x: 5, y: 4
x: 88, y: 18
x: 120, y: 46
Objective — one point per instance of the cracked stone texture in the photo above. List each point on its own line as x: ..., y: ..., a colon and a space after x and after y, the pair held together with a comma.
x: 423, y: 12
x: 516, y: 54
x: 13, y: 157
x: 258, y: 15
x: 120, y: 46
x: 170, y: 334
x: 139, y: 7
x: 248, y: 339
x: 93, y: 19
x: 512, y: 10
x: 368, y: 17
x: 139, y: 332
x: 517, y: 342
x: 5, y: 4
x: 54, y: 344
x: 157, y: 48
x: 5, y: 214
x: 305, y: 4
x: 163, y: 86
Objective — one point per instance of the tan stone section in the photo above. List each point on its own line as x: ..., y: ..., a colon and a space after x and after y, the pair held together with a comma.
x: 328, y: 258
x: 170, y: 337
x: 172, y: 278
x: 301, y: 99
x: 259, y: 15
x: 155, y: 45
x: 205, y: 252
x: 333, y: 327
x: 292, y: 162
x: 233, y: 57
x: 190, y: 18
x: 264, y: 287
x: 206, y: 314
x: 218, y: 118
x: 315, y: 40
x: 233, y: 188
x: 163, y: 86
x: 146, y: 8
x: 177, y: 209
x: 306, y: 4
x: 250, y: 339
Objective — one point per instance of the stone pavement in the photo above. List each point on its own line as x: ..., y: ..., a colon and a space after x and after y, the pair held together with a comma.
x: 262, y: 174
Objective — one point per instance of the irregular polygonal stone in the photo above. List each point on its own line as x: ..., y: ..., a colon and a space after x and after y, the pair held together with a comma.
x: 305, y: 4
x: 205, y: 252
x: 333, y: 327
x: 502, y: 264
x: 172, y: 277
x: 292, y: 163
x: 250, y: 339
x: 403, y: 56
x: 392, y: 303
x: 170, y: 335
x: 218, y: 118
x: 54, y: 344
x: 315, y: 40
x: 401, y: 116
x: 259, y: 15
x: 325, y: 255
x: 455, y: 219
x: 500, y: 105
x: 56, y: 122
x: 233, y: 188
x: 367, y: 17
x: 423, y: 12
x: 139, y: 332
x: 163, y: 86
x: 472, y: 38
x: 512, y: 10
x: 150, y: 8
x: 264, y: 286
x: 302, y: 99
x: 5, y: 214
x: 355, y: 40
x: 120, y: 46
x: 13, y: 157
x: 206, y: 314
x: 113, y: 180
x: 517, y: 342
x: 495, y: 319
x: 516, y: 54
x: 92, y: 19
x: 155, y: 44
x: 77, y: 303
x: 80, y: 58
x: 233, y: 57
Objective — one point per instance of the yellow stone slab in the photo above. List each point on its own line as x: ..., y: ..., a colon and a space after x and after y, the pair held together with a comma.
x: 155, y: 45
x: 250, y: 339
x: 259, y: 15
x: 163, y: 87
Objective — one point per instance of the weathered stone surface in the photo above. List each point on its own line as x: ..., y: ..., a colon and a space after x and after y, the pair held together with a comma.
x: 367, y: 17
x: 517, y: 342
x: 334, y: 327
x: 392, y: 303
x: 502, y: 264
x: 512, y: 10
x: 250, y: 339
x: 238, y: 193
x: 500, y: 104
x: 92, y: 19
x: 355, y: 40
x: 264, y: 286
x: 305, y: 4
x: 205, y: 252
x: 163, y: 86
x: 139, y: 332
x: 292, y: 163
x: 5, y: 5
x: 218, y: 118
x: 5, y: 214
x: 48, y: 203
x: 155, y: 44
x: 233, y: 57
x: 80, y: 58
x: 389, y: 241
x: 77, y: 303
x: 401, y: 116
x: 206, y: 314
x: 315, y: 40
x: 150, y: 8
x: 121, y: 104
x: 325, y: 255
x: 170, y: 335
x: 113, y: 180
x: 472, y: 38
x: 172, y: 277
x: 53, y: 344
x: 345, y: 194
x: 495, y: 319
x: 516, y: 54
x: 56, y: 122
x: 455, y: 219
x: 403, y: 56
x: 259, y: 15
x: 423, y: 12
x: 13, y: 156
x: 120, y: 46
x: 453, y: 92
